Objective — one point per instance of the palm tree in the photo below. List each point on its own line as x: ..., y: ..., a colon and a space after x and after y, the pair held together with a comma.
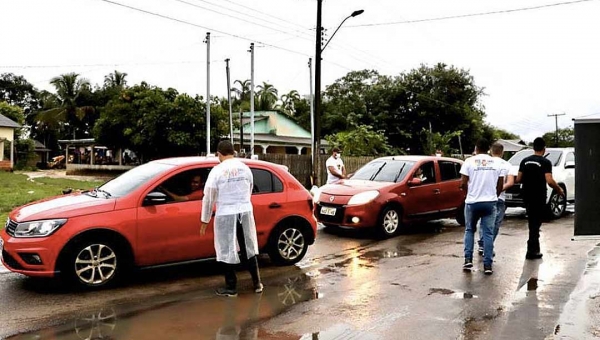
x: 288, y: 100
x: 68, y: 112
x: 115, y: 79
x: 267, y: 96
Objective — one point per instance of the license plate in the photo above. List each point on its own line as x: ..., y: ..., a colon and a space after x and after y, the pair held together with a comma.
x: 509, y: 196
x: 328, y: 211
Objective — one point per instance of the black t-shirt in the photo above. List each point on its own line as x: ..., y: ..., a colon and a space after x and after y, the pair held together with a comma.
x: 534, y: 169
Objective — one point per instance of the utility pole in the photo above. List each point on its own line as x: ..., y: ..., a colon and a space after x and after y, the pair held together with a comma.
x: 207, y: 93
x: 251, y: 99
x: 556, y: 123
x: 312, y: 119
x: 317, y: 100
x: 229, y: 100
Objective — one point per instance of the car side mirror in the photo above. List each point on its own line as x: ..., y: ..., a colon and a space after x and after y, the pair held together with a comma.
x: 414, y: 182
x: 154, y: 198
x: 570, y: 165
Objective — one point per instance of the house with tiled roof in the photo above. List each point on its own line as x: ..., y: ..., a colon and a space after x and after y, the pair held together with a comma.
x: 7, y: 138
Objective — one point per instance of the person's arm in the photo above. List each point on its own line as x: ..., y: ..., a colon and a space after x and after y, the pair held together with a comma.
x: 174, y: 196
x: 499, y: 185
x: 552, y: 183
x: 510, y: 181
x: 335, y: 172
x: 464, y: 183
x: 208, y: 202
x: 343, y: 170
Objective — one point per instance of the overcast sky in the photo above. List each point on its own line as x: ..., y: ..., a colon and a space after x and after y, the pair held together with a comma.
x: 532, y: 63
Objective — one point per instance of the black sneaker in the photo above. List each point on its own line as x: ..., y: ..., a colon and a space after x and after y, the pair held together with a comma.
x: 468, y: 264
x: 480, y: 250
x: 487, y: 270
x: 534, y: 256
x: 259, y: 288
x: 226, y: 292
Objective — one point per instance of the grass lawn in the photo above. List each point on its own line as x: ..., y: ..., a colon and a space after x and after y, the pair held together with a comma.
x: 16, y: 190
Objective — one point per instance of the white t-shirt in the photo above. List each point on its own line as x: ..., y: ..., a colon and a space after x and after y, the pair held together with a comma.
x: 507, y: 170
x: 483, y: 171
x: 338, y: 164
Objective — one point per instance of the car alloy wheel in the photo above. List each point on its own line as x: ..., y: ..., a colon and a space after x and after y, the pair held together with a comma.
x: 557, y: 205
x: 390, y: 222
x: 95, y: 264
x: 291, y: 244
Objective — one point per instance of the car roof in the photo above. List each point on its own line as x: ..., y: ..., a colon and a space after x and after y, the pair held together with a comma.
x: 191, y: 160
x: 417, y: 158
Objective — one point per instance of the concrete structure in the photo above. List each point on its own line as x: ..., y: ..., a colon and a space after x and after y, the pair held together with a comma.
x: 7, y: 137
x: 85, y: 155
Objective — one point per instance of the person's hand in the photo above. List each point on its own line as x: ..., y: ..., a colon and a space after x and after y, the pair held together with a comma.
x: 203, y: 228
x: 561, y: 191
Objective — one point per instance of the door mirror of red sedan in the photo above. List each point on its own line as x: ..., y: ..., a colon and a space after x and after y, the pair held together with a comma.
x: 154, y: 198
x: 414, y: 182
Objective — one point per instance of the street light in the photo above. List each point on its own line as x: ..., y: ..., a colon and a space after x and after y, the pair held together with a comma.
x: 317, y: 101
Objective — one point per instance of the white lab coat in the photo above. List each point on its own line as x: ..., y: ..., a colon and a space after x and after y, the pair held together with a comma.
x: 229, y: 187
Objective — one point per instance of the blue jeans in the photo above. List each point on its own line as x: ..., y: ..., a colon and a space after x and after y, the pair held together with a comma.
x: 500, y: 210
x: 486, y: 212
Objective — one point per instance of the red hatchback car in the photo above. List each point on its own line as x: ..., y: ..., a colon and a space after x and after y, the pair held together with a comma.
x: 135, y: 220
x: 391, y: 191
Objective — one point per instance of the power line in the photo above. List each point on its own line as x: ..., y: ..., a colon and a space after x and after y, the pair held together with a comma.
x: 203, y: 27
x: 472, y: 14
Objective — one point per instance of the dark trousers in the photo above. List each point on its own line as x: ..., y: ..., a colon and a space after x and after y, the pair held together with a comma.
x: 250, y: 263
x: 535, y: 214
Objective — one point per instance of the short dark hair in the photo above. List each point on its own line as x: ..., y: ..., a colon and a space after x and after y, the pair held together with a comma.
x: 225, y: 148
x: 482, y: 145
x: 336, y: 149
x: 539, y: 144
x: 497, y: 148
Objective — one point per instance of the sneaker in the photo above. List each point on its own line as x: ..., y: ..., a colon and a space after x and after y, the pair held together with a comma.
x: 534, y: 256
x: 259, y: 288
x: 480, y: 250
x: 226, y: 292
x: 468, y: 264
x: 487, y: 270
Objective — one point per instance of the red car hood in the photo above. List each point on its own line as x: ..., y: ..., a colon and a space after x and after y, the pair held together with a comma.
x: 351, y: 187
x: 62, y: 207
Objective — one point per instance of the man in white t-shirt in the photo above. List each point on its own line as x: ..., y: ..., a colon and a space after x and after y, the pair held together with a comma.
x: 482, y: 179
x: 336, y: 170
x: 510, y: 173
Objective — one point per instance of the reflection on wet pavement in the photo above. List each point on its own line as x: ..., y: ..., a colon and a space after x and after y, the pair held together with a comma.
x: 198, y: 315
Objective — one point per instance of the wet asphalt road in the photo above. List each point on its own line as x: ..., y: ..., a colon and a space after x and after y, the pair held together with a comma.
x: 350, y: 286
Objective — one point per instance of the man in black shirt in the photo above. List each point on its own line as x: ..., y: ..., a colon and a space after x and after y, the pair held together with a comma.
x: 534, y: 172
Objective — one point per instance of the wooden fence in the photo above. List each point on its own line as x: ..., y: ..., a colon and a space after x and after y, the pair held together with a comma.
x: 300, y: 165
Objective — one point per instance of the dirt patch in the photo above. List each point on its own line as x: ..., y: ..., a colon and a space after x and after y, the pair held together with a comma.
x: 62, y: 174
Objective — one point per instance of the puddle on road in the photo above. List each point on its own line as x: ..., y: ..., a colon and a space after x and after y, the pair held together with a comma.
x: 452, y: 294
x: 197, y: 315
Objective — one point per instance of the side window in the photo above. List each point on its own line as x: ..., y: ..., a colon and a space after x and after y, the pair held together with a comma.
x: 570, y: 157
x: 426, y: 172
x: 265, y: 182
x: 185, y: 186
x: 449, y: 170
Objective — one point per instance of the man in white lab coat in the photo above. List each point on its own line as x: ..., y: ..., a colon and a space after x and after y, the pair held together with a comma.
x: 229, y: 187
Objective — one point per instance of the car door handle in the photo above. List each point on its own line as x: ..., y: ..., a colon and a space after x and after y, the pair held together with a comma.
x: 436, y: 191
x: 274, y: 205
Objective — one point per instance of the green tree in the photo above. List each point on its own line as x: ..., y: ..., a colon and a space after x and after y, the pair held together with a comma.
x: 241, y: 89
x: 15, y: 90
x: 267, y: 97
x: 362, y: 140
x: 288, y: 100
x: 564, y: 138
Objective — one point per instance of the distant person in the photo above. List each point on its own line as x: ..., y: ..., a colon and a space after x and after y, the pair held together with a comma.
x: 482, y: 180
x: 229, y: 188
x: 195, y: 191
x: 509, y: 173
x: 419, y: 175
x: 534, y: 172
x: 336, y: 171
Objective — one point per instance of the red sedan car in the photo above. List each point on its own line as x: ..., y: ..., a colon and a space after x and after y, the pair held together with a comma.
x: 391, y: 191
x: 138, y: 220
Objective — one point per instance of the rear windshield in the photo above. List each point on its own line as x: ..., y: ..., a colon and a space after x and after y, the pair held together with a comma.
x: 384, y: 171
x: 552, y: 155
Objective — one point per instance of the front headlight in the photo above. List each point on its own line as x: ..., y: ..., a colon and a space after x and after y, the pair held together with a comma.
x: 38, y: 228
x: 363, y: 197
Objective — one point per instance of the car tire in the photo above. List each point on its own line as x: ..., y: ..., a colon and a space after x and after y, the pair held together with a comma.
x: 288, y: 244
x: 390, y: 222
x: 93, y: 264
x: 557, y: 205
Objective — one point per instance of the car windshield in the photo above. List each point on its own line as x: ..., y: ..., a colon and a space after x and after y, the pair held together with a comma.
x: 132, y: 179
x: 552, y: 155
x: 387, y: 170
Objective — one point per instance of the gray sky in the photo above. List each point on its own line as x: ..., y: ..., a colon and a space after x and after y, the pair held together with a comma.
x: 532, y: 63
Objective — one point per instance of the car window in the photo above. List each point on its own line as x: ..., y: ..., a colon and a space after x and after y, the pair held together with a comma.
x: 188, y: 184
x: 428, y: 172
x: 449, y: 170
x: 387, y: 170
x: 265, y: 182
x: 132, y: 179
x: 570, y: 157
x: 552, y: 155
